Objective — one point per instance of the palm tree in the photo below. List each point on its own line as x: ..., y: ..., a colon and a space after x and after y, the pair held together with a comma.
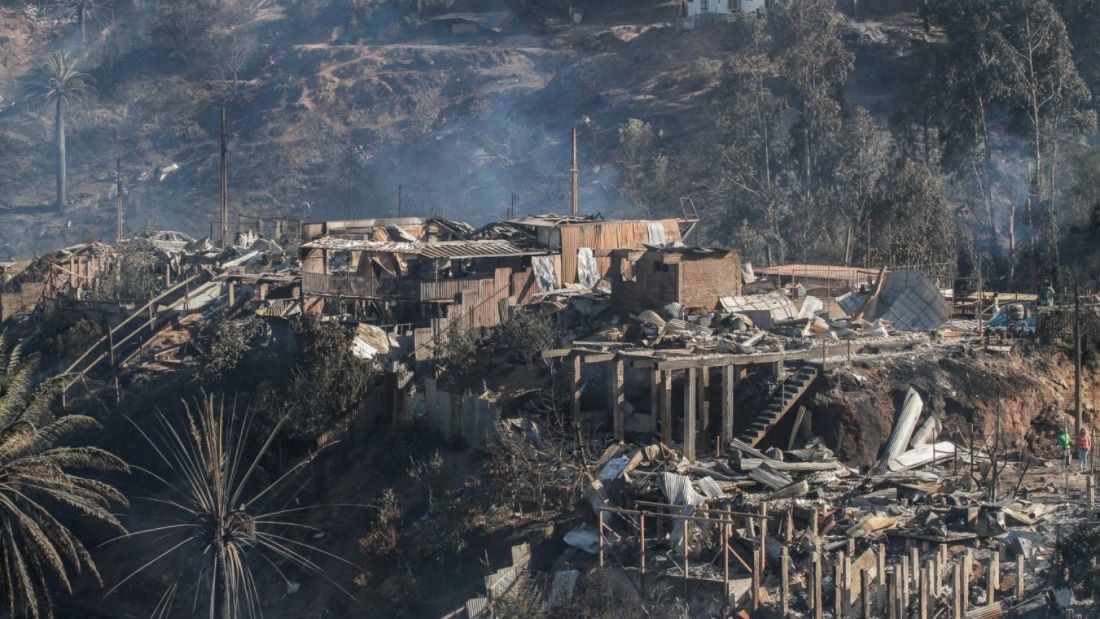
x: 219, y: 523
x: 57, y: 82
x: 38, y: 487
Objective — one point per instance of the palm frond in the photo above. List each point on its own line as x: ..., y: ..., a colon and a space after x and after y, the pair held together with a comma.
x: 38, y: 489
x: 219, y: 533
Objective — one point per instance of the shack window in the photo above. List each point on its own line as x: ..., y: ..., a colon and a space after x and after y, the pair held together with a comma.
x: 626, y: 270
x: 660, y: 267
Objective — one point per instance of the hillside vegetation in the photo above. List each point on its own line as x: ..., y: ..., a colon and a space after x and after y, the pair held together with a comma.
x: 960, y: 137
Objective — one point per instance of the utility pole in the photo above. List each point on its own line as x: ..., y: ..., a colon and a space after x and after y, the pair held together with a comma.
x: 223, y: 211
x: 575, y: 206
x: 399, y: 190
x: 118, y: 200
x: 1076, y: 357
x: 512, y: 208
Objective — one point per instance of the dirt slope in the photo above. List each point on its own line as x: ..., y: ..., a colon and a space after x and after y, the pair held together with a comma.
x: 1031, y: 391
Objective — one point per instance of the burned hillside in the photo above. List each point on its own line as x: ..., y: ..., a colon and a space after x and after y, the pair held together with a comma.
x: 501, y: 308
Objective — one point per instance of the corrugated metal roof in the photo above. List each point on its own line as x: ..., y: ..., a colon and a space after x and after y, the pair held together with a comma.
x: 550, y: 220
x: 820, y: 271
x: 770, y: 477
x: 711, y: 488
x: 485, y: 248
x: 678, y: 490
x: 778, y: 303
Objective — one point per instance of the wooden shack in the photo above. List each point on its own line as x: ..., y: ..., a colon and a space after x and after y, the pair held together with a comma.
x: 572, y: 234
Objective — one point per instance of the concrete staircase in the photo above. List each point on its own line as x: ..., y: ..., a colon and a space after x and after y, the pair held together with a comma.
x: 784, y: 399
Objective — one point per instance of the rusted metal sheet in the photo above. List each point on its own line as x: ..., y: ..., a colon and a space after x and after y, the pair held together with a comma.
x: 485, y: 248
x: 603, y: 236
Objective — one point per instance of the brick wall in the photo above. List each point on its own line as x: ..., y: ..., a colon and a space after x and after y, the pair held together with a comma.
x: 659, y: 278
x: 704, y: 279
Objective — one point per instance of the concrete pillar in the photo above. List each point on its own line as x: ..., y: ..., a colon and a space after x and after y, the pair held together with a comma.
x: 690, y: 379
x: 615, y: 397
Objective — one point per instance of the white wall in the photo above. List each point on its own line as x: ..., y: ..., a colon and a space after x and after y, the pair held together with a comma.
x: 700, y: 7
x: 722, y: 7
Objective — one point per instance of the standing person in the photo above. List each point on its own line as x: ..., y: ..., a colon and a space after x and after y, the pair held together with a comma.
x: 1065, y: 443
x: 1047, y: 297
x: 1084, y: 446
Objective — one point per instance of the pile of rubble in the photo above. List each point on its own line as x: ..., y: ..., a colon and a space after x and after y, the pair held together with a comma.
x: 931, y: 528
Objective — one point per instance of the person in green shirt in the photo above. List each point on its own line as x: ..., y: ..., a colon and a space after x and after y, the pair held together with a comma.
x: 1065, y: 443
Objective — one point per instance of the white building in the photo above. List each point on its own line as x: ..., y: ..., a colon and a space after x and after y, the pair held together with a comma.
x: 722, y: 7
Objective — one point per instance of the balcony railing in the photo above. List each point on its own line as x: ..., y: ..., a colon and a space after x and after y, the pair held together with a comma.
x: 354, y: 286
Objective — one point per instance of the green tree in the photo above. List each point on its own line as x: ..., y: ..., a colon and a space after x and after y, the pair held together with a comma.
x: 40, y: 490
x: 1048, y: 98
x: 968, y: 86
x: 861, y: 163
x: 57, y: 82
x: 327, y: 383
x: 915, y: 222
x: 753, y: 147
x: 814, y: 64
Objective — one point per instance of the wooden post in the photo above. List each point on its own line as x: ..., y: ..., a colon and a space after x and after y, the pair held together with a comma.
x: 600, y: 518
x: 575, y: 389
x: 1019, y: 576
x: 880, y: 572
x: 666, y: 407
x: 687, y: 536
x: 818, y: 603
x: 838, y: 585
x: 892, y: 602
x: 923, y: 575
x: 904, y: 582
x: 726, y: 558
x: 574, y: 378
x: 784, y: 580
x: 755, y: 580
x: 690, y: 380
x: 641, y: 529
x: 111, y: 344
x: 968, y: 567
x: 729, y: 379
x: 655, y: 393
x: 788, y: 526
x: 957, y: 611
x: 865, y: 593
x: 850, y: 587
x: 934, y: 576
x: 994, y: 578
x: 701, y: 400
x: 615, y: 397
x: 763, y: 535
x: 914, y: 567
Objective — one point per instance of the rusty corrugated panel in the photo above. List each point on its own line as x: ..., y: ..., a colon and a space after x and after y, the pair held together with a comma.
x: 484, y: 248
